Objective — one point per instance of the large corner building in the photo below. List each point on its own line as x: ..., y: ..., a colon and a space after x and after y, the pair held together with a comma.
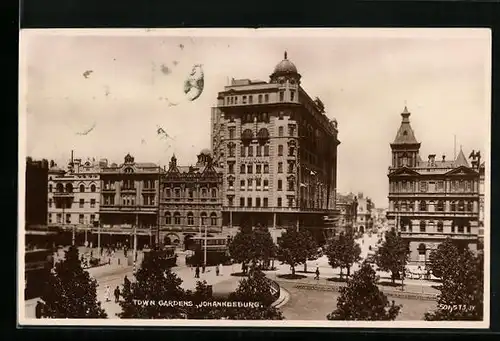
x: 278, y: 151
x: 432, y: 199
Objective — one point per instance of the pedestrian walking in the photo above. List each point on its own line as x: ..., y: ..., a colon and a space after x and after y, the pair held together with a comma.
x: 39, y: 310
x: 217, y: 270
x: 107, y: 293
x: 220, y: 269
x: 117, y: 294
x: 197, y: 272
x: 317, y: 274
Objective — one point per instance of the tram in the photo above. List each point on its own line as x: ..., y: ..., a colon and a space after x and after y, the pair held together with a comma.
x: 168, y: 252
x: 217, y: 251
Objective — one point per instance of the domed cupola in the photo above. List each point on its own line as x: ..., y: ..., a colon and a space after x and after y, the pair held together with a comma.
x: 285, y: 72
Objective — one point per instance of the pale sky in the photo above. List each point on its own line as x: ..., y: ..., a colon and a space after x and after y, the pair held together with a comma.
x: 364, y: 77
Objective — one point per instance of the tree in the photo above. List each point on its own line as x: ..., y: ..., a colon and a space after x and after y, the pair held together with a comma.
x: 361, y: 299
x: 309, y: 246
x: 393, y: 254
x: 292, y: 248
x: 203, y: 293
x: 155, y: 282
x: 440, y: 258
x: 256, y: 288
x: 462, y: 288
x: 343, y: 252
x: 252, y: 246
x: 70, y: 291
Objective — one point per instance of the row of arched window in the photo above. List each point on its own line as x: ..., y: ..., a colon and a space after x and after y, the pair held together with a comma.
x: 176, y: 218
x: 455, y: 206
x: 60, y: 188
x: 423, y: 226
x: 189, y: 192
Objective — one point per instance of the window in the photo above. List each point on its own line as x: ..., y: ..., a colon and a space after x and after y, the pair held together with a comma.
x: 280, y: 167
x: 266, y: 98
x: 470, y: 206
x: 280, y: 131
x: 423, y: 206
x: 68, y: 218
x: 230, y: 167
x: 249, y: 202
x: 259, y: 151
x: 290, y: 167
x: 190, y: 219
x: 50, y: 202
x: 177, y: 192
x: 92, y: 218
x: 291, y: 151
x: 440, y: 185
x: 281, y: 115
x: 92, y: 203
x: 290, y: 202
x: 231, y: 133
x: 231, y: 151
x: 460, y: 228
x: 266, y: 168
x: 279, y: 202
x: 244, y: 101
x: 291, y: 185
x: 250, y: 150
x: 230, y: 201
x: 50, y: 188
x: 242, y: 202
x: 177, y: 218
x: 440, y: 226
x: 242, y: 185
x: 82, y: 188
x: 423, y: 186
x: 282, y: 96
x: 204, y: 192
x: 266, y: 185
x: 422, y: 226
x: 257, y: 202
x: 440, y: 206
x: 422, y: 250
x: 291, y: 130
x: 453, y: 206
x: 292, y: 95
x: 461, y: 206
x: 242, y: 150
x: 92, y: 188
x: 258, y: 183
x: 213, y: 217
x: 266, y: 202
x: 242, y: 169
x: 250, y: 184
x: 80, y: 219
x: 59, y: 218
x: 82, y: 203
x: 280, y: 150
x: 258, y: 169
x: 168, y: 192
x: 280, y: 185
x: 214, y: 192
x: 266, y: 150
x: 260, y: 98
x: 249, y: 169
x: 230, y: 183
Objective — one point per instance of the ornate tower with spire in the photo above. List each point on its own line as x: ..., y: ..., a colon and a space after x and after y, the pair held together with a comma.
x: 405, y: 148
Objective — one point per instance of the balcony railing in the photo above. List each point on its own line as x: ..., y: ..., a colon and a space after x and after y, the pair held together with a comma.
x: 454, y: 214
x: 273, y: 209
x: 128, y: 190
x: 433, y: 194
x: 438, y: 235
x: 128, y: 208
x: 64, y: 194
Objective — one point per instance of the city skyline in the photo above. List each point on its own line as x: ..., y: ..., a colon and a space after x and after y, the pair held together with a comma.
x: 364, y: 81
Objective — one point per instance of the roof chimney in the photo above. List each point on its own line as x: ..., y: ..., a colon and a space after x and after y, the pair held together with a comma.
x: 444, y: 158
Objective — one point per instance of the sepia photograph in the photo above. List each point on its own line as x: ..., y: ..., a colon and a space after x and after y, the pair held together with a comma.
x: 255, y: 177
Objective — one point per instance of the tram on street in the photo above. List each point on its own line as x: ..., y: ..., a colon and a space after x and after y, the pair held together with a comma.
x: 217, y: 251
x: 168, y: 252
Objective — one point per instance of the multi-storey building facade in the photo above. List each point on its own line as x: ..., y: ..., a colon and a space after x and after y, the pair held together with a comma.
x: 364, y: 221
x: 433, y: 199
x: 129, y: 203
x: 278, y: 150
x: 190, y: 201
x: 73, y: 200
x: 347, y: 206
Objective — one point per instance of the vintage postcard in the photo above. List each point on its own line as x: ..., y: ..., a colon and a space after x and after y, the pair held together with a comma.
x: 242, y: 177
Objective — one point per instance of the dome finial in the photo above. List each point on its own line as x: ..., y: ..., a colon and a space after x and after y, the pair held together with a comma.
x: 286, y: 55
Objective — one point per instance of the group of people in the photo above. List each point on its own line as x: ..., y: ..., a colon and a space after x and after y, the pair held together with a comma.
x: 117, y: 293
x: 218, y: 270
